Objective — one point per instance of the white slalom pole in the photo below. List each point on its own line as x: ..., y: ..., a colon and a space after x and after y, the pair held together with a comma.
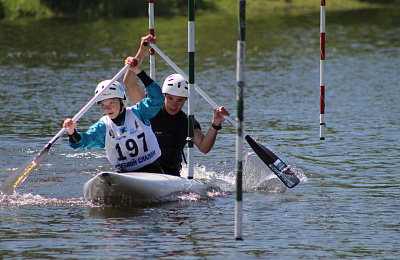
x: 190, y: 137
x: 322, y: 124
x: 151, y: 31
x: 240, y: 58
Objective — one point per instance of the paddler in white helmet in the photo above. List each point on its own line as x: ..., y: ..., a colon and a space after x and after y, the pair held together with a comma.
x: 170, y: 125
x: 124, y: 132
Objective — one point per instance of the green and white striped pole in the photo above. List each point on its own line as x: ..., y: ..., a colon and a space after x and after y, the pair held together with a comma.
x: 240, y: 57
x: 190, y: 137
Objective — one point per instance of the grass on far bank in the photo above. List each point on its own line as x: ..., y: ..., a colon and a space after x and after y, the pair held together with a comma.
x: 13, y: 9
x: 267, y: 6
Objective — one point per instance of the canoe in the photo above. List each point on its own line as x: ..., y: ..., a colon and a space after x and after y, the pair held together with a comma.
x: 137, y: 187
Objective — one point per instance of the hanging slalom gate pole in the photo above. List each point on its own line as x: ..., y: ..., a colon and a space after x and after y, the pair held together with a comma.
x: 190, y: 137
x: 240, y: 58
x: 322, y: 124
x: 151, y: 31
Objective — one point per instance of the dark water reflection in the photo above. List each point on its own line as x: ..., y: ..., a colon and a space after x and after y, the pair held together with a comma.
x: 344, y: 206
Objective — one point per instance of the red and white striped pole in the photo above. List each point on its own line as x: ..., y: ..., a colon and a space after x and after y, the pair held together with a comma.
x: 151, y: 31
x: 322, y: 74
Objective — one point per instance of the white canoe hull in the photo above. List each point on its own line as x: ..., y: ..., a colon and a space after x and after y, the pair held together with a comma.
x: 137, y: 187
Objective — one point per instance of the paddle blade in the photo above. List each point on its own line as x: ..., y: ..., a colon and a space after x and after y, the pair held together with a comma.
x: 20, y: 174
x: 274, y: 163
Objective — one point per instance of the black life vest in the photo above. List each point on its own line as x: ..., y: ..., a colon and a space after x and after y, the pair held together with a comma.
x: 171, y: 132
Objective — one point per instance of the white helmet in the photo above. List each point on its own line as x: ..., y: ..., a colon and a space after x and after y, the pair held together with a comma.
x: 175, y: 85
x: 116, y: 90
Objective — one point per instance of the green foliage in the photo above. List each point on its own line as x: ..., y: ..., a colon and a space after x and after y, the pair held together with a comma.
x: 93, y: 8
x: 116, y: 8
x: 97, y: 8
x: 381, y: 1
x: 22, y: 8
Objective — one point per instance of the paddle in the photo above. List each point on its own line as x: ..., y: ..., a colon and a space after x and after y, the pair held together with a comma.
x: 269, y: 158
x: 20, y: 174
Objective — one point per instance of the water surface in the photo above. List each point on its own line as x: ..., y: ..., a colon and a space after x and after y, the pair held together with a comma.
x: 345, y: 206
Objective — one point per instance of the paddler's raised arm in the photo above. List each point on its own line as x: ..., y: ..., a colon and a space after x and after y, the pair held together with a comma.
x: 135, y: 91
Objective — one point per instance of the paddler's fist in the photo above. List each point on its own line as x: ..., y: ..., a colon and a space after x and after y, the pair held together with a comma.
x: 144, y: 43
x: 219, y: 114
x: 68, y: 123
x: 134, y: 63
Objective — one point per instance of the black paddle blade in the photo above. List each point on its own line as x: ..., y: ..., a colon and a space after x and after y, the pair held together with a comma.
x: 20, y: 174
x: 274, y: 163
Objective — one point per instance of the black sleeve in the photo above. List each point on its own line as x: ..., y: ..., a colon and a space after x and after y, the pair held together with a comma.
x: 75, y: 137
x: 145, y: 78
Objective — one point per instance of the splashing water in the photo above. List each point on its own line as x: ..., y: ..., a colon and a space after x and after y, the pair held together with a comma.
x: 36, y: 200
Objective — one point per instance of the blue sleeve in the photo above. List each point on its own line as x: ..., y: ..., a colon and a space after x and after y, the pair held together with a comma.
x: 94, y: 137
x: 148, y: 107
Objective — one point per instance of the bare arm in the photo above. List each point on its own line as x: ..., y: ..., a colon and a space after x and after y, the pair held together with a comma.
x: 205, y: 142
x: 135, y: 91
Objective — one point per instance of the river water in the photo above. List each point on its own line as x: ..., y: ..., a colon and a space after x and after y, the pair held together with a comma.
x: 345, y: 207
